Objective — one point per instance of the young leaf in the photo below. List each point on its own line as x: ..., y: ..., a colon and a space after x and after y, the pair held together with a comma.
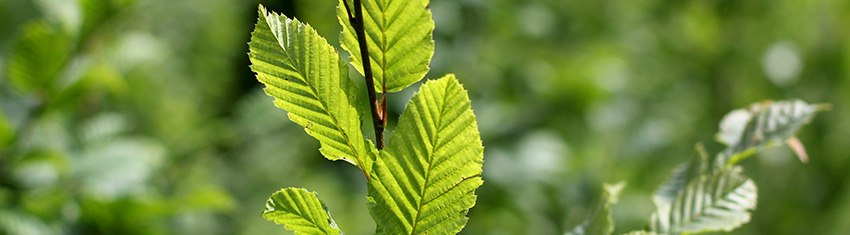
x: 307, y: 79
x: 719, y: 201
x: 684, y: 173
x: 399, y: 37
x: 601, y: 223
x: 762, y: 125
x: 300, y: 211
x: 38, y: 58
x: 424, y: 181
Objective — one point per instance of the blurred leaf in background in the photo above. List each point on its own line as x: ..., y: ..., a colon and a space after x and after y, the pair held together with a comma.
x: 608, y: 91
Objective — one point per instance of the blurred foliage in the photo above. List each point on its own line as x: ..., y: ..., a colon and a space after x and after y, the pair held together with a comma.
x: 142, y: 117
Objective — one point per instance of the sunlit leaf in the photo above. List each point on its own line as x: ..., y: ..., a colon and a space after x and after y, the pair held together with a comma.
x: 667, y: 192
x: 719, y: 201
x: 300, y: 211
x: 762, y: 125
x: 424, y: 181
x: 399, y: 37
x: 307, y: 79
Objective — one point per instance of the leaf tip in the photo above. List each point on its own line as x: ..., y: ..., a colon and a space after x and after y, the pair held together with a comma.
x: 798, y: 148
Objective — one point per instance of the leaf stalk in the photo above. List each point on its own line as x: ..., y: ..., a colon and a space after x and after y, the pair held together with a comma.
x: 378, y: 108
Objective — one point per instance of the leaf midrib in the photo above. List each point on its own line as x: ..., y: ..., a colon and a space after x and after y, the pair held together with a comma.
x: 714, y: 203
x: 315, y: 93
x: 384, y: 43
x: 305, y: 214
x: 434, y: 149
x: 294, y: 209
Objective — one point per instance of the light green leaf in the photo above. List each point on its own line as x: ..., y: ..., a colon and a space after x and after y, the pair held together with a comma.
x: 684, y: 173
x: 300, y: 211
x: 719, y: 201
x: 762, y: 125
x: 425, y: 179
x: 601, y: 223
x: 306, y: 77
x: 400, y: 40
x: 38, y: 58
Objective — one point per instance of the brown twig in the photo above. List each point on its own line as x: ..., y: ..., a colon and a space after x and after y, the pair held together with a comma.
x: 379, y: 110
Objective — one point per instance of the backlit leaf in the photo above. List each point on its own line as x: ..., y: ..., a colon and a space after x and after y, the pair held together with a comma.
x: 399, y: 37
x: 719, y: 201
x: 424, y: 182
x: 762, y: 125
x: 307, y: 79
x: 300, y: 211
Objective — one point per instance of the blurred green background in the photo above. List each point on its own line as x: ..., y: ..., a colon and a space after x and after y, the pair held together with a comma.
x: 142, y: 116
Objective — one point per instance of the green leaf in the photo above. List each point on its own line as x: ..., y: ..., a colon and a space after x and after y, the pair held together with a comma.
x: 400, y: 40
x: 601, y: 223
x: 684, y: 173
x: 300, y: 211
x: 718, y: 201
x: 425, y: 179
x: 306, y: 77
x: 38, y: 58
x: 762, y: 125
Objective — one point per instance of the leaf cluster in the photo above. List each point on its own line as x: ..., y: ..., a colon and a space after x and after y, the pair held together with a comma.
x: 423, y: 182
x: 710, y: 196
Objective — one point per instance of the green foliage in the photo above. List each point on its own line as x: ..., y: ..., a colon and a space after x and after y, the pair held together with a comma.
x: 703, y: 198
x: 300, y: 211
x: 12, y: 222
x: 424, y: 181
x: 306, y: 77
x: 713, y: 201
x: 38, y: 58
x: 766, y: 124
x: 567, y: 95
x: 97, y: 12
x: 641, y: 232
x: 700, y: 197
x: 399, y: 38
x: 6, y: 133
x: 78, y: 155
x: 602, y: 221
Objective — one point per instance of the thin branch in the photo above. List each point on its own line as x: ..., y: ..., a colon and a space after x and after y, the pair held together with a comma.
x: 379, y: 117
